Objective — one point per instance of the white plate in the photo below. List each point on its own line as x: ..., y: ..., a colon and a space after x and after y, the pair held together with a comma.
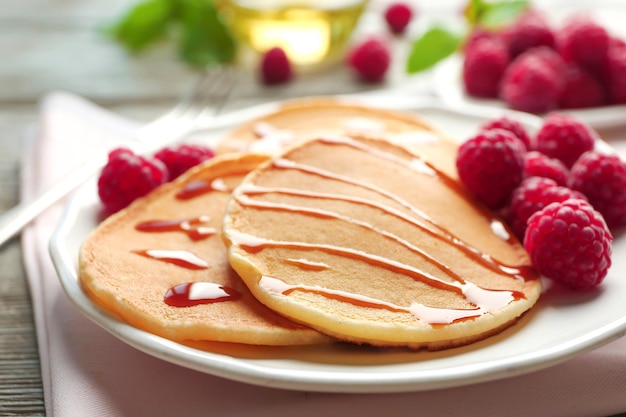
x: 448, y: 86
x: 562, y: 325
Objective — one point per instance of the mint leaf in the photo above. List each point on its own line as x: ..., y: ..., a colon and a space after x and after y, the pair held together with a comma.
x: 434, y: 45
x: 501, y: 13
x: 205, y: 39
x: 143, y: 24
x: 473, y: 11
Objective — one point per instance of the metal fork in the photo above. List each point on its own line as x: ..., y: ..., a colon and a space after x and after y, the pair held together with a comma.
x: 204, y: 100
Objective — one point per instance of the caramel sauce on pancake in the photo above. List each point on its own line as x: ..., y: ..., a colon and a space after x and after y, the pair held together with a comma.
x: 161, y: 265
x: 371, y: 242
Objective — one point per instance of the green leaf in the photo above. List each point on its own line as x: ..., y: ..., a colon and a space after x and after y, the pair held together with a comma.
x: 473, y: 11
x: 205, y: 39
x: 436, y: 44
x: 143, y: 24
x: 501, y: 13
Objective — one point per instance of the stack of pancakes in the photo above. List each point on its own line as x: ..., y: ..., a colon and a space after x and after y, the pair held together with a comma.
x: 324, y: 221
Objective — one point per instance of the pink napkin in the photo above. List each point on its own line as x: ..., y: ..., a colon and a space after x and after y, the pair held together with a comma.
x: 87, y: 371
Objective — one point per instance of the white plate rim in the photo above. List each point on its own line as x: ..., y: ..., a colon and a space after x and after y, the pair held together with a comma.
x: 367, y: 379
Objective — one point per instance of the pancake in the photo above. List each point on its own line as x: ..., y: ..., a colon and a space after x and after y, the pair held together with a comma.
x: 308, y: 118
x: 370, y: 242
x: 160, y: 264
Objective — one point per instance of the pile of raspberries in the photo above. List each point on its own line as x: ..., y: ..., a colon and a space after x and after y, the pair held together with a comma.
x: 534, y: 67
x: 559, y: 193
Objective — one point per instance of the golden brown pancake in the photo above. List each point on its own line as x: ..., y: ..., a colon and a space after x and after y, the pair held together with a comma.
x: 316, y: 117
x: 161, y: 265
x: 369, y: 242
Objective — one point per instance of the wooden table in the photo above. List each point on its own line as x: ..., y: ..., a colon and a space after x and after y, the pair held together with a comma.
x: 50, y: 45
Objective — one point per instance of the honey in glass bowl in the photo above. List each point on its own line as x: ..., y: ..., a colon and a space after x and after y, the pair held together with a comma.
x: 311, y: 32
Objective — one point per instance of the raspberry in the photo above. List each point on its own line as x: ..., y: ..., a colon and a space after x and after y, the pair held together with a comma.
x: 490, y: 165
x: 616, y: 75
x: 581, y: 89
x: 531, y: 83
x: 510, y: 125
x: 602, y: 178
x: 530, y: 31
x: 565, y: 138
x: 583, y: 41
x: 370, y: 59
x: 532, y: 195
x: 570, y: 243
x: 537, y: 164
x: 179, y: 159
x: 485, y: 62
x: 398, y: 16
x: 126, y: 177
x: 275, y: 67
x: 478, y: 33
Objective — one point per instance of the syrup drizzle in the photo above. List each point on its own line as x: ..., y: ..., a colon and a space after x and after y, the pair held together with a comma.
x: 426, y: 314
x: 194, y: 228
x: 181, y: 258
x: 482, y: 300
x: 306, y: 264
x: 195, y: 293
x: 197, y: 188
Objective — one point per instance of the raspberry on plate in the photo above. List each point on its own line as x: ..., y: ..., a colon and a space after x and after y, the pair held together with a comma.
x: 616, y: 75
x: 128, y: 176
x: 583, y: 41
x: 532, y: 195
x: 532, y: 83
x: 398, y: 16
x: 485, y: 62
x: 581, y: 89
x: 602, y: 178
x: 570, y: 243
x: 529, y: 31
x: 370, y: 60
x: 512, y: 126
x: 564, y: 137
x: 275, y: 67
x: 180, y: 158
x: 490, y: 165
x: 537, y: 164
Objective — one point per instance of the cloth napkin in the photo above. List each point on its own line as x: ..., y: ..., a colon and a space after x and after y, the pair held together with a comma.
x: 88, y: 372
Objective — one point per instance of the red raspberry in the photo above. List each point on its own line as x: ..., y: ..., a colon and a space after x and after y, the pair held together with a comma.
x: 602, y: 178
x: 510, y: 125
x: 275, y: 67
x: 583, y: 41
x: 531, y: 83
x: 570, y: 243
x: 398, y: 16
x: 615, y: 69
x: 581, y: 89
x: 537, y: 164
x: 477, y: 34
x: 485, y: 62
x: 179, y: 159
x: 532, y: 195
x: 530, y: 31
x: 370, y: 59
x: 128, y: 176
x: 565, y: 138
x: 490, y: 165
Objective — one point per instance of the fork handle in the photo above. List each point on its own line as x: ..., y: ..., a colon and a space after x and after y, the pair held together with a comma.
x: 16, y: 218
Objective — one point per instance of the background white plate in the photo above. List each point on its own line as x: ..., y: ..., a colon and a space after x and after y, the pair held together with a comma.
x: 448, y: 86
x: 562, y: 325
